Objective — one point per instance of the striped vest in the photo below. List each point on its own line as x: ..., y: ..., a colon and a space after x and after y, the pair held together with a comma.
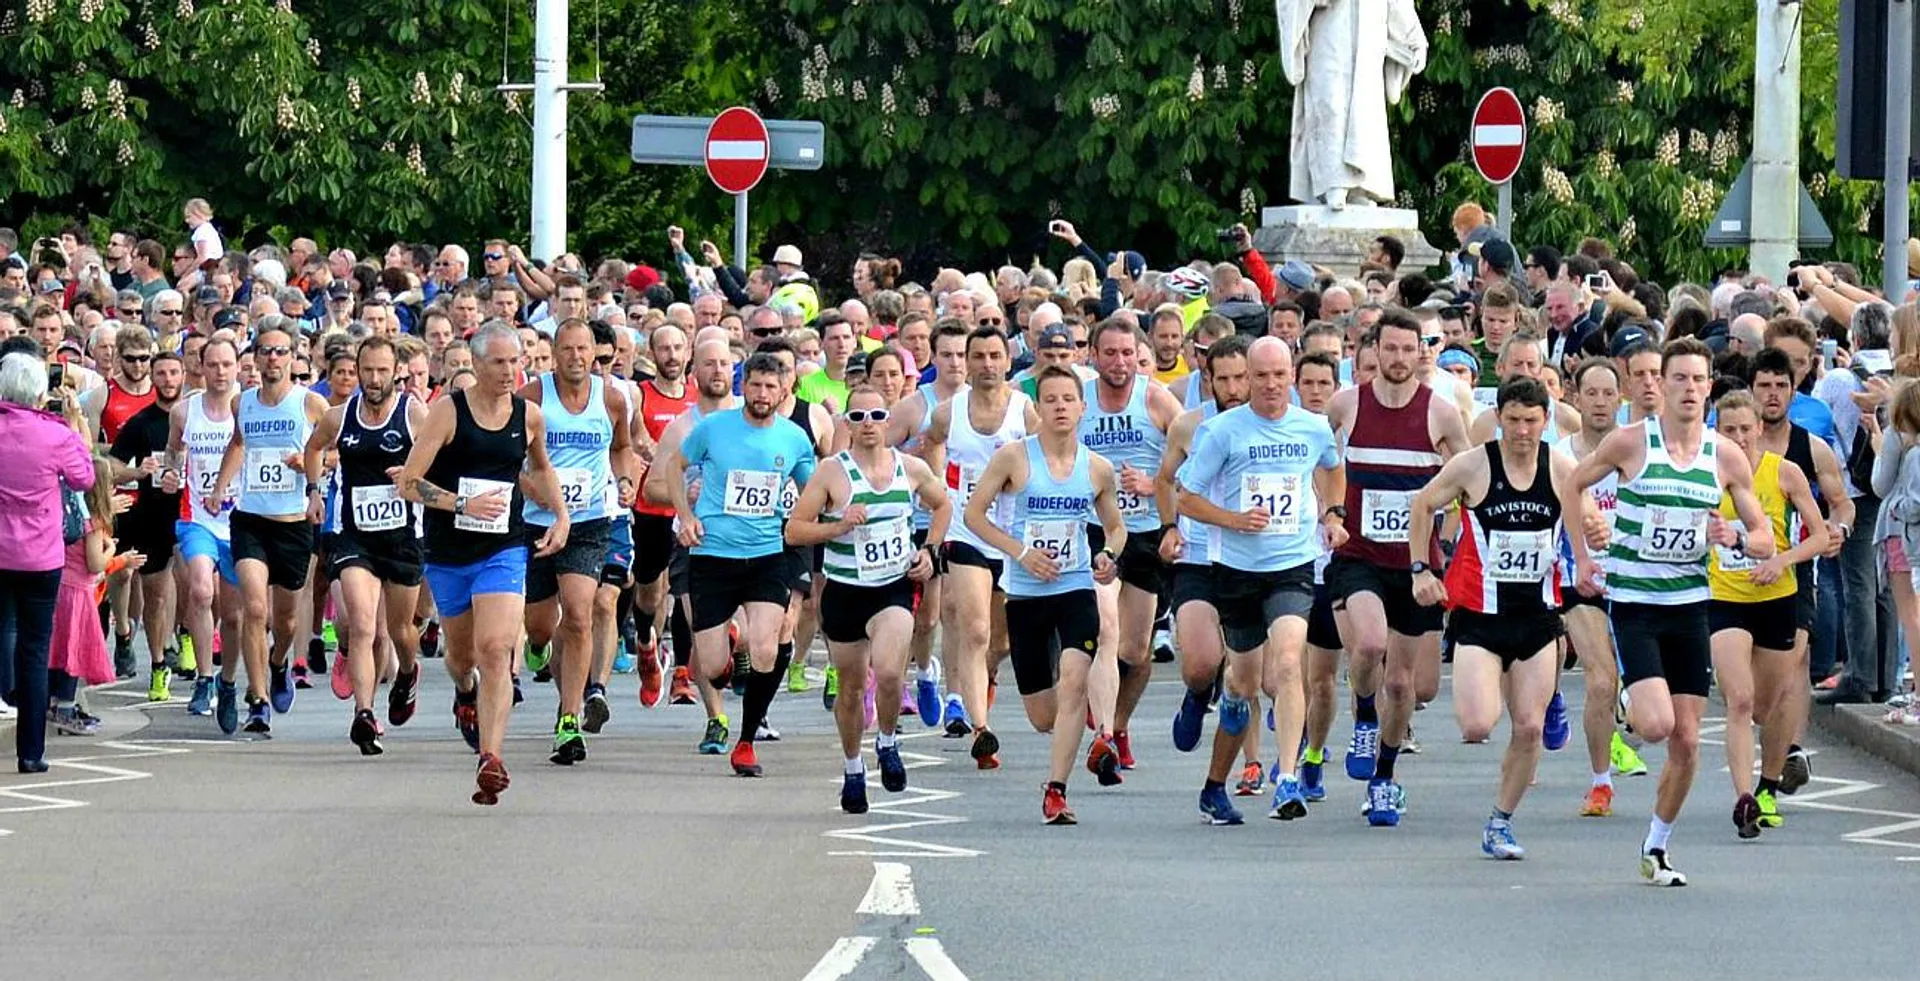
x: 1659, y: 549
x: 880, y: 550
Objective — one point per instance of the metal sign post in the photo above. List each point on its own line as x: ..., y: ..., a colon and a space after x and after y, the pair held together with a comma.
x: 683, y: 141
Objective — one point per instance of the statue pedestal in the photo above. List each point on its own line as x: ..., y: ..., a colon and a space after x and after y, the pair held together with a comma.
x: 1340, y: 239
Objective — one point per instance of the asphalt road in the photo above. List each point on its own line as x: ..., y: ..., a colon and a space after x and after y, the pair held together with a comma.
x: 167, y: 852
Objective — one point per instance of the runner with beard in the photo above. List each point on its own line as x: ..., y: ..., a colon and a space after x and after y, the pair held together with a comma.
x: 107, y: 407
x: 662, y: 399
x: 140, y: 447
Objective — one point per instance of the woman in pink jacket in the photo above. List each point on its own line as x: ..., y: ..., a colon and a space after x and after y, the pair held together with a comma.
x: 42, y: 450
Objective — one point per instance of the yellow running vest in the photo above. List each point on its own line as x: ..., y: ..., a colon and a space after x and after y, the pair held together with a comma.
x: 1728, y: 567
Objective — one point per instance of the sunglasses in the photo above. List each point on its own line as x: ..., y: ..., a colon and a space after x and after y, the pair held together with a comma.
x: 868, y: 415
x: 137, y: 358
x: 169, y: 313
x: 992, y: 322
x: 179, y: 257
x: 129, y: 313
x: 1434, y: 340
x: 402, y: 379
x: 303, y: 376
x: 1083, y: 345
x: 768, y: 331
x: 603, y: 359
x: 275, y: 351
x: 495, y: 256
x: 1200, y: 351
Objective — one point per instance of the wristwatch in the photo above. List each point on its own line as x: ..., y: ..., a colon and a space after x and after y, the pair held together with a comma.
x: 1419, y: 567
x: 1109, y: 554
x: 460, y: 504
x: 1338, y: 511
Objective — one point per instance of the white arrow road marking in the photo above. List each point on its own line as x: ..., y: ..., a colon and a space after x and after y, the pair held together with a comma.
x: 736, y: 150
x: 840, y: 960
x: 1499, y: 134
x: 891, y: 892
x: 933, y: 959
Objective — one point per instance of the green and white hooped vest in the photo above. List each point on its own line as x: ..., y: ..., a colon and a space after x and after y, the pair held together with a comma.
x: 880, y: 550
x: 1659, y: 549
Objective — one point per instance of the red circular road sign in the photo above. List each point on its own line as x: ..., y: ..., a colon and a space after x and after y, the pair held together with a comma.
x: 1499, y: 135
x: 737, y: 150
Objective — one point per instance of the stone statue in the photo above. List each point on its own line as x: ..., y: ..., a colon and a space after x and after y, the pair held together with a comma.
x: 1347, y: 60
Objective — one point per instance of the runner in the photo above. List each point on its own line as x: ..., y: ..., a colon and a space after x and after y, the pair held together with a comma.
x: 802, y: 621
x: 1256, y: 472
x: 1523, y: 356
x: 1064, y: 667
x: 587, y: 440
x: 375, y: 555
x: 199, y: 430
x: 130, y: 389
x: 1316, y: 379
x: 872, y: 570
x: 613, y: 601
x: 663, y: 398
x: 1124, y: 419
x: 959, y: 440
x: 734, y: 535
x: 1754, y: 613
x: 1656, y: 576
x: 140, y: 448
x: 1503, y: 587
x: 1397, y: 436
x: 272, y: 539
x: 465, y: 469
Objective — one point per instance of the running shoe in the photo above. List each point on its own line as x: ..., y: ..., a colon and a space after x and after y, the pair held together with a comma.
x: 537, y: 658
x: 926, y: 697
x: 1410, y: 746
x: 404, y: 696
x: 1289, y: 802
x: 1218, y: 808
x: 1235, y: 713
x: 1797, y: 771
x: 682, y: 693
x: 1769, y: 809
x: 490, y: 780
x: 317, y: 656
x: 1364, y: 749
x: 745, y: 764
x: 1655, y: 869
x: 742, y: 670
x: 365, y: 733
x: 797, y: 682
x: 1188, y: 722
x: 766, y: 733
x: 466, y: 717
x: 123, y: 664
x: 1162, y: 646
x: 1103, y: 762
x: 1313, y: 782
x: 1252, y: 779
x: 893, y: 772
x: 227, y: 712
x: 1497, y: 841
x: 715, y: 741
x: 280, y: 688
x: 596, y: 711
x: 259, y: 718
x: 956, y: 721
x: 1123, y: 746
x: 430, y: 639
x: 985, y: 750
x: 853, y: 791
x: 650, y: 681
x: 1598, y: 803
x: 1381, y: 810
x: 569, y: 747
x: 1746, y: 817
x: 1054, y: 809
x: 624, y: 661
x: 518, y: 695
x: 157, y: 690
x: 300, y: 680
x: 341, y: 681
x: 202, y: 701
x: 67, y: 721
x: 1555, y: 734
x: 185, y: 666
x: 830, y: 692
x: 1626, y: 762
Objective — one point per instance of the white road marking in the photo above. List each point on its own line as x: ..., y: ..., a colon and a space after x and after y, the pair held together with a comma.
x: 891, y: 891
x: 933, y: 959
x: 34, y: 799
x: 840, y: 960
x: 892, y: 806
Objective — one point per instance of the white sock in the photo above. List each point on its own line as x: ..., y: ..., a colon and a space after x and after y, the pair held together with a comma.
x: 886, y: 740
x: 1603, y: 778
x: 1657, y: 833
x: 856, y: 765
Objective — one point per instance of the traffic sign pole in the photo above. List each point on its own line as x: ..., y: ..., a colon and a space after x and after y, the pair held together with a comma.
x: 1499, y: 144
x: 740, y: 230
x: 1505, y: 205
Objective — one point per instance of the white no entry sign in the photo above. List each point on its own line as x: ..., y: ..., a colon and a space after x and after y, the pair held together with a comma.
x: 738, y: 150
x: 1499, y: 135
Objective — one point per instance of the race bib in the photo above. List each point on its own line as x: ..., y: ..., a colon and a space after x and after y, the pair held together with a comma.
x: 1386, y: 516
x: 789, y: 496
x: 884, y: 550
x: 1486, y: 397
x: 1734, y: 558
x: 962, y: 479
x: 472, y: 487
x: 268, y: 472
x: 1674, y: 534
x: 751, y: 493
x: 1058, y: 538
x: 1519, y: 556
x: 576, y: 488
x: 379, y: 508
x: 1279, y: 494
x: 1134, y: 505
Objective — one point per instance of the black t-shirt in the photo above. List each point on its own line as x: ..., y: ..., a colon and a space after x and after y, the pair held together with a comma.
x: 144, y: 435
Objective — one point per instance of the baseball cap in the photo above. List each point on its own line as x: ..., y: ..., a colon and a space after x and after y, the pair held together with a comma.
x: 1627, y: 338
x: 229, y: 317
x: 339, y: 289
x: 857, y: 363
x: 1058, y: 337
x: 1497, y: 252
x: 642, y: 278
x: 206, y: 294
x: 1296, y: 274
x: 1136, y: 263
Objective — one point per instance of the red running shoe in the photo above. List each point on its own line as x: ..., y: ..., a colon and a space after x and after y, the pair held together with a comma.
x: 1123, y: 745
x: 683, y: 692
x: 1103, y: 762
x: 650, y: 679
x: 745, y: 764
x: 491, y: 780
x: 1054, y: 809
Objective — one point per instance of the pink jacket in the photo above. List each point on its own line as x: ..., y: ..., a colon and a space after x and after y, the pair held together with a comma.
x: 37, y: 449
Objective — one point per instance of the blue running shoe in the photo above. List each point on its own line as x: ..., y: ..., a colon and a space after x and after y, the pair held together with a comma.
x: 1313, y: 784
x: 1557, y: 730
x: 1381, y: 810
x: 893, y: 773
x: 1235, y: 713
x: 1497, y: 842
x: 714, y: 741
x: 281, y: 689
x: 1289, y: 801
x: 226, y: 697
x: 853, y: 793
x: 259, y: 719
x: 956, y: 717
x: 202, y: 701
x: 1364, y: 749
x: 926, y: 700
x: 623, y: 661
x: 1189, y: 720
x: 1218, y: 807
